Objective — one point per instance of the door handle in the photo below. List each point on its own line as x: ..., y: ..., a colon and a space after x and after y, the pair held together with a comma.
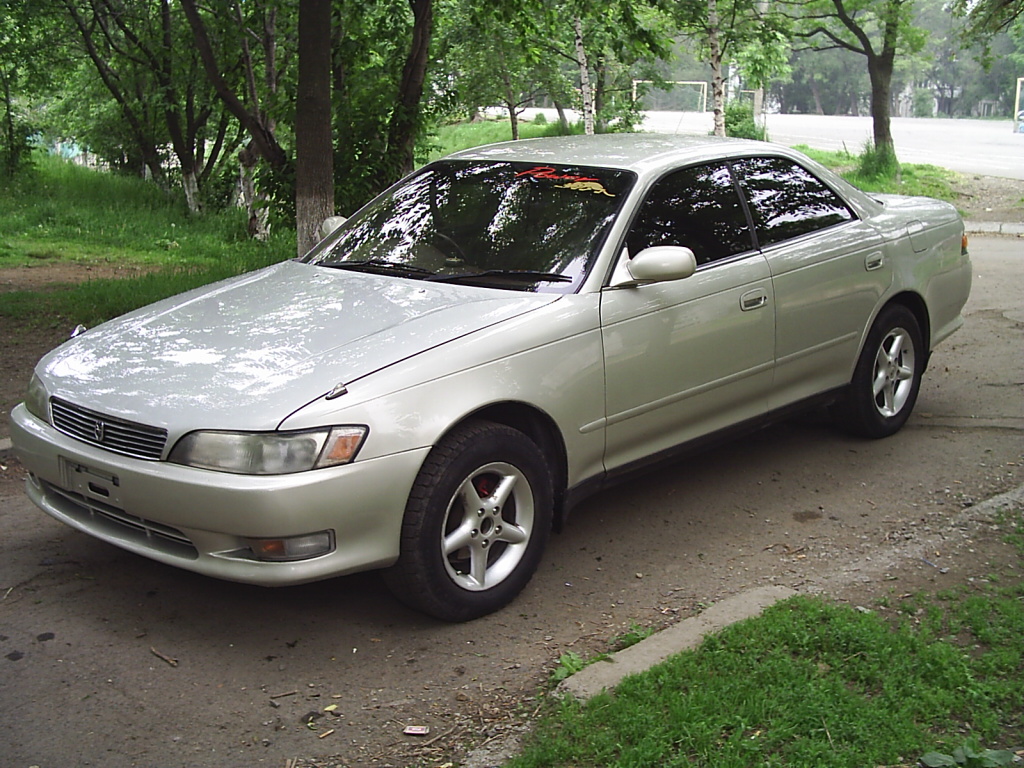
x: 874, y: 261
x: 754, y: 299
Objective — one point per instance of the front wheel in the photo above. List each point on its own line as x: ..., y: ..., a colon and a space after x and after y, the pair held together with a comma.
x: 887, y: 378
x: 475, y: 525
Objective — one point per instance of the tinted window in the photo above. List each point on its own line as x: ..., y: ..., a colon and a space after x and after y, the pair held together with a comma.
x: 786, y: 200
x: 696, y: 207
x: 523, y: 226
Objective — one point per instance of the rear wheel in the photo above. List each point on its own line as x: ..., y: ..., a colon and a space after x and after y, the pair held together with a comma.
x: 887, y: 378
x: 476, y: 523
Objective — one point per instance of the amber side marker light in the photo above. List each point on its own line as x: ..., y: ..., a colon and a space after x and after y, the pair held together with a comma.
x: 292, y: 547
x: 963, y: 245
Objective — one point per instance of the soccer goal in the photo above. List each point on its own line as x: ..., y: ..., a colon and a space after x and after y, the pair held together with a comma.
x: 683, y: 96
x: 1018, y: 108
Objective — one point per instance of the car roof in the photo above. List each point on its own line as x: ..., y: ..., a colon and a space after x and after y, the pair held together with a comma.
x: 639, y: 152
x: 649, y: 154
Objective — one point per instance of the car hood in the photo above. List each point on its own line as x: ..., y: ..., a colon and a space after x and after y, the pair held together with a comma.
x: 247, y: 352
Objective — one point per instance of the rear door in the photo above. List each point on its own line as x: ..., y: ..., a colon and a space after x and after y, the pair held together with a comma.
x: 829, y: 271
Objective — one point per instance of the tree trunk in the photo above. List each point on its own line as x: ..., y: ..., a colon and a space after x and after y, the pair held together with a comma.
x: 880, y: 72
x: 314, y: 151
x: 585, y: 89
x: 264, y: 142
x: 406, y: 116
x: 717, y: 78
x: 513, y: 119
x: 511, y: 97
x: 600, y: 85
x: 190, y: 183
x: 816, y: 93
x: 258, y: 214
x: 563, y: 120
x: 13, y: 145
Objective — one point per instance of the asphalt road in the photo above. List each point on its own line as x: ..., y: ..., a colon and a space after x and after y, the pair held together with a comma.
x: 108, y: 659
x: 986, y: 147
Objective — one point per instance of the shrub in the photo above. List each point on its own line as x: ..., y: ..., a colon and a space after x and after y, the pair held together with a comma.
x: 878, y: 162
x: 740, y: 123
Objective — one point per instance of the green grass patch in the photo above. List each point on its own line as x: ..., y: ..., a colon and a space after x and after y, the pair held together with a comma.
x: 59, y: 212
x: 95, y: 301
x: 811, y: 683
x: 912, y: 179
x: 458, y: 136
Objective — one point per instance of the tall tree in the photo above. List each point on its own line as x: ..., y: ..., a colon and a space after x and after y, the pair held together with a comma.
x: 725, y: 27
x: 405, y: 123
x: 877, y: 30
x: 142, y: 58
x: 248, y: 99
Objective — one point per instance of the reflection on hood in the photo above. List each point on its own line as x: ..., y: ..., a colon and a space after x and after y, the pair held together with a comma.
x: 248, y: 351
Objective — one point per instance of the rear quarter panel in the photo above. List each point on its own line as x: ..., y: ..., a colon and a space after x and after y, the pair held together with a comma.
x: 926, y: 238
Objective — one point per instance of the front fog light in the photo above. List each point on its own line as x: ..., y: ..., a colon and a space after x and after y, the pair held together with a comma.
x: 292, y: 547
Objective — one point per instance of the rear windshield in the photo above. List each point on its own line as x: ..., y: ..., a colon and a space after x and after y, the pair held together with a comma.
x: 521, y: 226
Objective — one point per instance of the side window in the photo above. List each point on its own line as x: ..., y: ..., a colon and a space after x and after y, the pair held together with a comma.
x: 696, y: 207
x: 786, y: 200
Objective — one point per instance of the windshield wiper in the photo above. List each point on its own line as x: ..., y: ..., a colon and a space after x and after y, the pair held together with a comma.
x: 518, y: 275
x: 381, y: 266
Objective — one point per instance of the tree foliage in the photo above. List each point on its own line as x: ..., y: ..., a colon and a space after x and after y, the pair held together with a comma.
x: 748, y: 32
x: 238, y: 100
x: 986, y: 18
x: 878, y: 30
x: 29, y: 63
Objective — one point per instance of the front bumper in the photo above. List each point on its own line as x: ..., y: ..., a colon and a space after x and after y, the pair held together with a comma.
x: 198, y: 519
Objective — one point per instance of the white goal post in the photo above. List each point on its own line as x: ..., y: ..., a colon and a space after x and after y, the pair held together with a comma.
x: 701, y: 86
x: 1018, y: 109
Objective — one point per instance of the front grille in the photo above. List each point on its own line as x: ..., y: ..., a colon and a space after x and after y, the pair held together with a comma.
x: 109, y: 521
x: 117, y: 435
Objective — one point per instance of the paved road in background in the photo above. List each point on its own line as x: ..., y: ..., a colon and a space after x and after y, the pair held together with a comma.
x: 986, y: 147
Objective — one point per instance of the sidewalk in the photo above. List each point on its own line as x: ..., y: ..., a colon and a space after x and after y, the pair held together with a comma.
x: 994, y: 228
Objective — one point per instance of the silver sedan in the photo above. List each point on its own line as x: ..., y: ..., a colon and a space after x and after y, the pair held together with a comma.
x: 507, y: 330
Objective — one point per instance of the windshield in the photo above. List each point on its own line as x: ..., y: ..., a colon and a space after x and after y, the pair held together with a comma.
x: 521, y: 226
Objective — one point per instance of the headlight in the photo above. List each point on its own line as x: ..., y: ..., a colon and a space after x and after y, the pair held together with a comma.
x: 37, y: 401
x: 269, y: 453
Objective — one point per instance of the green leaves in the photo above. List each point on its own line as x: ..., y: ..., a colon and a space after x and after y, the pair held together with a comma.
x: 968, y: 757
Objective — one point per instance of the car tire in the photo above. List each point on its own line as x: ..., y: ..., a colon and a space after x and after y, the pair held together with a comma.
x: 476, y: 523
x: 882, y: 393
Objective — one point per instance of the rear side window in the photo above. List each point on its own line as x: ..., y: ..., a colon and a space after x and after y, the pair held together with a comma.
x: 697, y: 207
x: 786, y: 200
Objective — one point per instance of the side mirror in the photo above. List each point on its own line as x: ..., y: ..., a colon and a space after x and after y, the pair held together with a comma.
x: 658, y: 264
x: 330, y: 224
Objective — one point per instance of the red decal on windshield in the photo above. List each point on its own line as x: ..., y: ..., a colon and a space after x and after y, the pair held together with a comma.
x: 547, y: 172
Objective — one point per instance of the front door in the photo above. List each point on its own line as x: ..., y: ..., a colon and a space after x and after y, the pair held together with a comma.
x: 687, y: 357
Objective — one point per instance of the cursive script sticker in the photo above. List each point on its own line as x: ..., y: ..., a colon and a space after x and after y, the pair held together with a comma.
x: 572, y: 180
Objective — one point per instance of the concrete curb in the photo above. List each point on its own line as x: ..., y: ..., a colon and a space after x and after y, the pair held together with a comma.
x: 5, y: 446
x: 1015, y: 229
x: 683, y: 636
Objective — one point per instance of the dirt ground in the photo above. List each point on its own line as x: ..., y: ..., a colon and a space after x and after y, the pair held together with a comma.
x: 112, y: 660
